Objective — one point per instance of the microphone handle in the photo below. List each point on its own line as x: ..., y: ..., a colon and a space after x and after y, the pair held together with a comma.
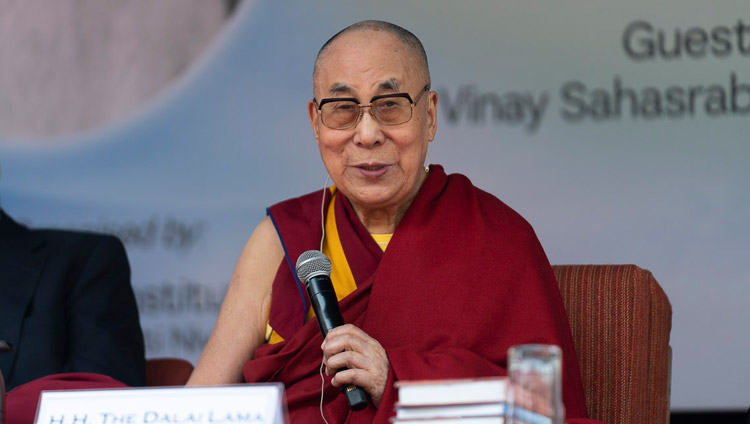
x: 326, y: 307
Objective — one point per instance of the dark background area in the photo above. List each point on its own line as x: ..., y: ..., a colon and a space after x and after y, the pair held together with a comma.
x: 721, y: 417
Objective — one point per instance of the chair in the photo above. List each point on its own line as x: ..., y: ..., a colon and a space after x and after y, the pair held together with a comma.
x: 167, y: 372
x: 620, y: 319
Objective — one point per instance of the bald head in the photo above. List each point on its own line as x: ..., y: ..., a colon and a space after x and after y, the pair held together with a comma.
x: 407, y: 39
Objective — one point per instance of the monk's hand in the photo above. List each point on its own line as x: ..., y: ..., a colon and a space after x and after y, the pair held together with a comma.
x: 366, y: 360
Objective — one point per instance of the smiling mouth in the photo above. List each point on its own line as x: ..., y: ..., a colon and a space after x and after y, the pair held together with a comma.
x: 371, y: 167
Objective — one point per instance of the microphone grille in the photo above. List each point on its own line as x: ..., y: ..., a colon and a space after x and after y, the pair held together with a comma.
x: 311, y: 264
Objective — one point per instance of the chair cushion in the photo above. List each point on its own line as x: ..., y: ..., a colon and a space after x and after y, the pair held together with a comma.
x: 167, y: 371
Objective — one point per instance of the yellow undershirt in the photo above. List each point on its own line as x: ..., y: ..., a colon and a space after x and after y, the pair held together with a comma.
x: 382, y: 240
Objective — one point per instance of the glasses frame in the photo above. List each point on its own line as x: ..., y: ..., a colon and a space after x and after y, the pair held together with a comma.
x: 361, y: 107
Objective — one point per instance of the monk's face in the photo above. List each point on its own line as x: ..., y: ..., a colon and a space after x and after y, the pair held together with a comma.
x: 375, y: 166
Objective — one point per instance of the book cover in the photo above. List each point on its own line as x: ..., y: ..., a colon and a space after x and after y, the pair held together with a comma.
x: 498, y: 419
x: 452, y: 391
x: 451, y: 411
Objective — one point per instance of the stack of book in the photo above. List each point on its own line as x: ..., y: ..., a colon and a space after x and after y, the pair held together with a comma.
x: 464, y: 401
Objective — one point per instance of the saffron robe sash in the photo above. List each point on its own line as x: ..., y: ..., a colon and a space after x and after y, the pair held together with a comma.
x: 463, y: 279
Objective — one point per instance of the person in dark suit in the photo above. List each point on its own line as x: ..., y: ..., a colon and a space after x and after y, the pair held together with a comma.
x: 66, y: 305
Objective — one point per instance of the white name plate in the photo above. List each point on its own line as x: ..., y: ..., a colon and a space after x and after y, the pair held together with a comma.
x: 237, y: 404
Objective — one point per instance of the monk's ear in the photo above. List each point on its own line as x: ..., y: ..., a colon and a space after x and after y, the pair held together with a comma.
x: 432, y: 101
x: 312, y: 111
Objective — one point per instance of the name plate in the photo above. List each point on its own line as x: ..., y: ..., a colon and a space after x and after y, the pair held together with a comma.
x: 237, y: 404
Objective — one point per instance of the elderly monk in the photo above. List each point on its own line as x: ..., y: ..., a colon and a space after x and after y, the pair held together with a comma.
x: 435, y: 278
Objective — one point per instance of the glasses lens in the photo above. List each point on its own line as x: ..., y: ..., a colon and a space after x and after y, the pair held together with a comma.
x: 392, y: 110
x: 339, y: 114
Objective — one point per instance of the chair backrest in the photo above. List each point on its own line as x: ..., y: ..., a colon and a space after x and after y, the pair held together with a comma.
x: 620, y: 319
x: 167, y: 371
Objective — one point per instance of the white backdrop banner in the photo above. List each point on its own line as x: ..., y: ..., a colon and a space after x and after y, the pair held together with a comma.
x: 618, y: 129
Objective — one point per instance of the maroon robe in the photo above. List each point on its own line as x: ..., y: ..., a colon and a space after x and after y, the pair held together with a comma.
x: 463, y: 279
x: 24, y: 399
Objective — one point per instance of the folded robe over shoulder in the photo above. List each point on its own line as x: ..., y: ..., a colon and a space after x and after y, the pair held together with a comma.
x: 463, y: 279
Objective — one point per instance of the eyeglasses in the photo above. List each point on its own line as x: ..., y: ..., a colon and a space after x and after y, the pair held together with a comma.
x: 389, y: 109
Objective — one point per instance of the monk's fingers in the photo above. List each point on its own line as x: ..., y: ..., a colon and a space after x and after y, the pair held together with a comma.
x: 366, y: 356
x: 348, y: 338
x: 357, y: 377
x: 368, y: 372
x: 348, y: 359
x: 356, y: 353
x: 345, y: 334
x: 345, y: 329
x: 363, y: 356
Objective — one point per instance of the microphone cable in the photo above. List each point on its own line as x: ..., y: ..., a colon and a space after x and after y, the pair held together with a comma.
x: 322, y: 214
x: 322, y: 237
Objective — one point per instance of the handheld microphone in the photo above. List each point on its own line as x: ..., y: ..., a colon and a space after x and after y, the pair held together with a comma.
x: 314, y: 269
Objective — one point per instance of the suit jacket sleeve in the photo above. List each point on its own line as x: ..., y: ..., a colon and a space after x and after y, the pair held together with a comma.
x: 102, y: 317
